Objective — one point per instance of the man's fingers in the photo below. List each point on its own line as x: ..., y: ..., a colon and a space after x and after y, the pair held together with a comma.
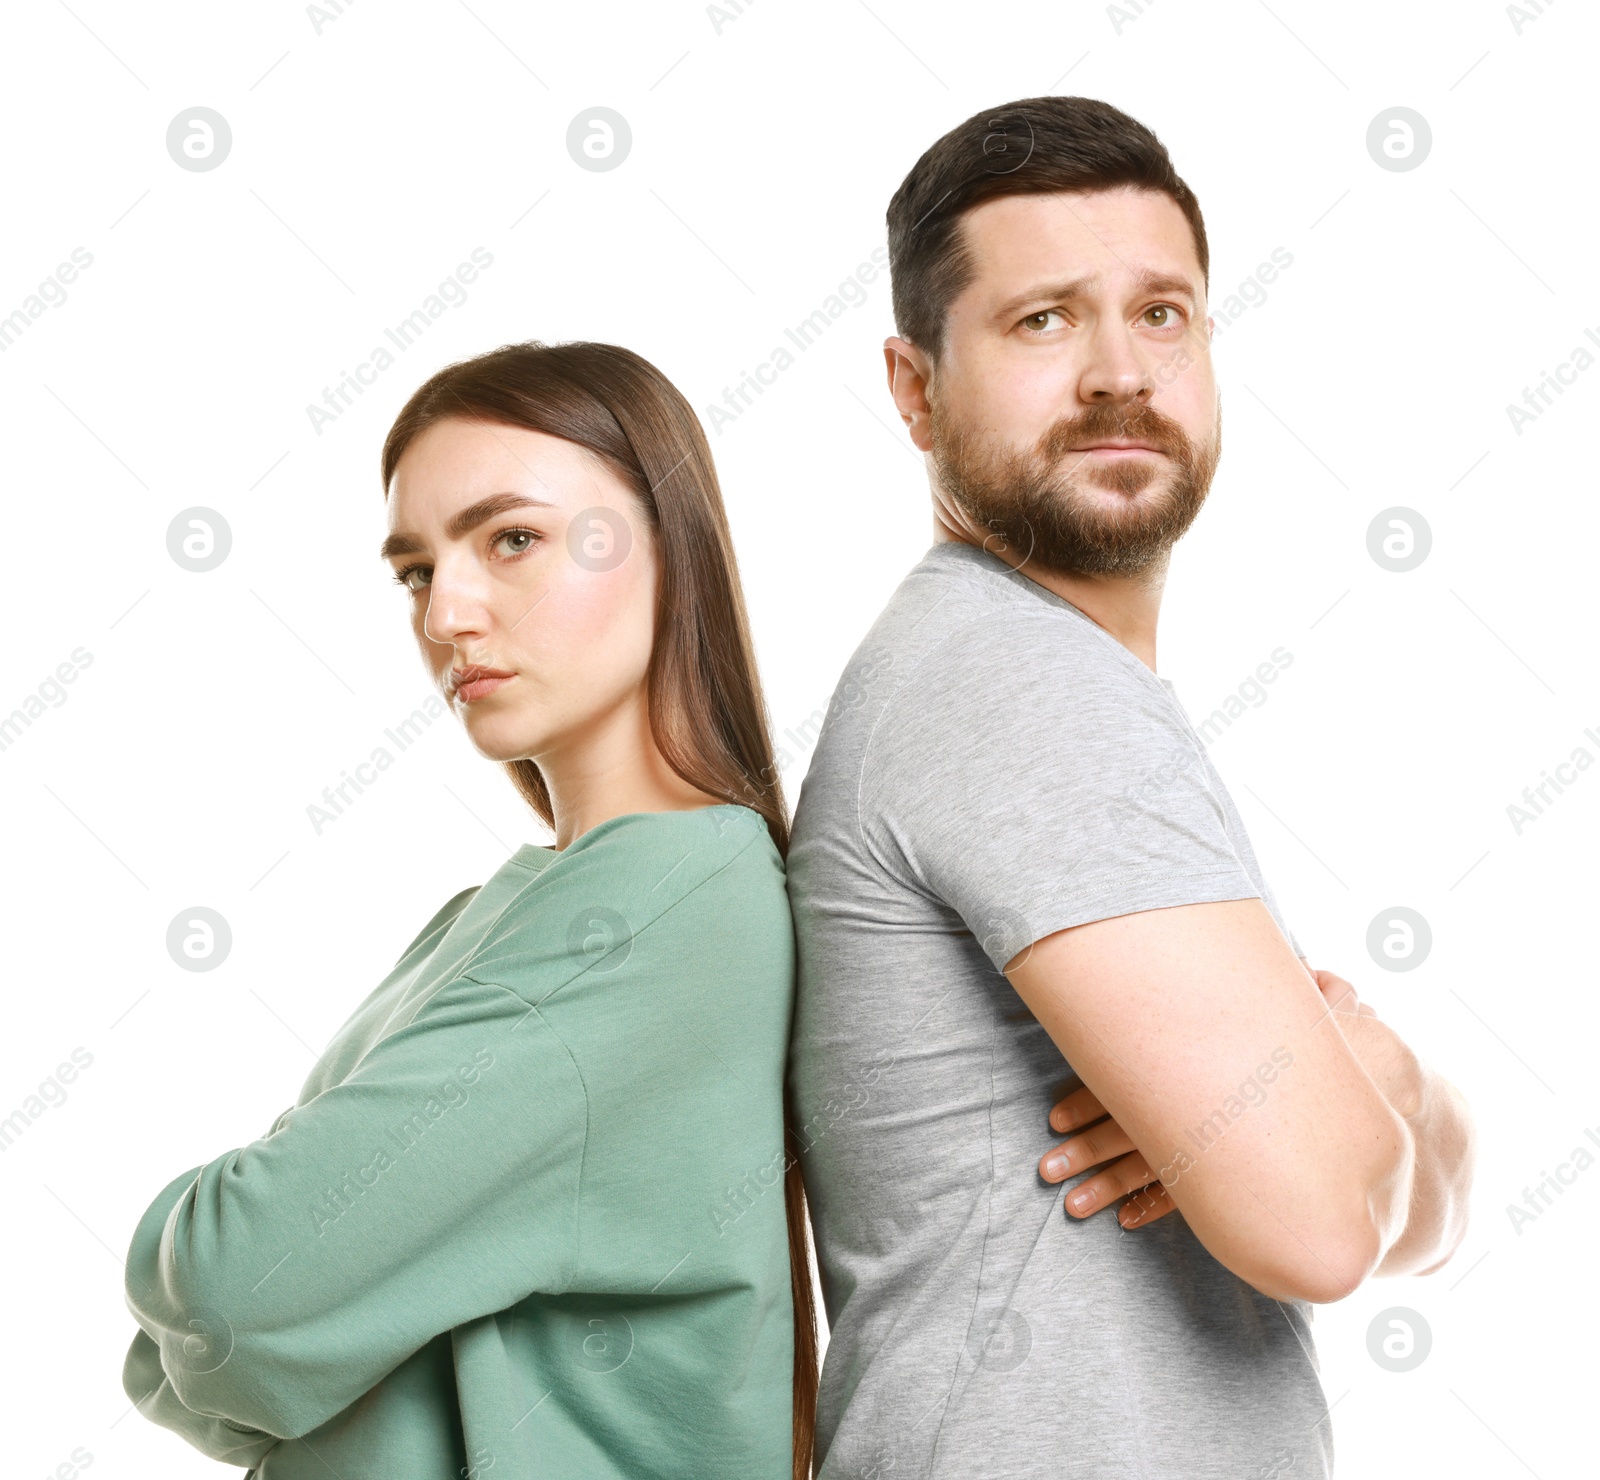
x: 1337, y: 992
x: 1145, y: 1206
x: 1119, y: 1179
x: 1074, y: 1110
x: 1087, y: 1149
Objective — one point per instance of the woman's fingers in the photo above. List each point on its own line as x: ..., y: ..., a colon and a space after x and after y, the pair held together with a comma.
x: 1074, y: 1110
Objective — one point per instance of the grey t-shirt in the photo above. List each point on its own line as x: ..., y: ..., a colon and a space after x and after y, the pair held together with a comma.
x: 995, y: 767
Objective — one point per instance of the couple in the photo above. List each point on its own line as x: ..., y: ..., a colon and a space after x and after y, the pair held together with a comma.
x: 539, y: 1210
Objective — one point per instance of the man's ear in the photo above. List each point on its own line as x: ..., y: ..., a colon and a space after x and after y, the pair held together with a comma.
x: 909, y: 373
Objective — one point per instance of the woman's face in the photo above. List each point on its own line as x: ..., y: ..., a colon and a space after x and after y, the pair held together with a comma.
x: 526, y: 556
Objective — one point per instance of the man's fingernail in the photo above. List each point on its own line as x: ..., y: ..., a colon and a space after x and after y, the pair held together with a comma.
x: 1081, y: 1200
x: 1055, y: 1166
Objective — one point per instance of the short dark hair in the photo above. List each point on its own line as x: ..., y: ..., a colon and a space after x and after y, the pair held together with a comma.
x: 1030, y: 147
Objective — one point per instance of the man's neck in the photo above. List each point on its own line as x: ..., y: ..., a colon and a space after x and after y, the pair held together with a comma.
x: 1128, y: 607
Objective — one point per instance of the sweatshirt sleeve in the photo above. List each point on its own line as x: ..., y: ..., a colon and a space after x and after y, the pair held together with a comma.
x: 148, y: 1386
x: 434, y: 1185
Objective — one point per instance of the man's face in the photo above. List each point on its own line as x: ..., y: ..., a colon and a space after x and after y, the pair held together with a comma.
x: 1072, y: 415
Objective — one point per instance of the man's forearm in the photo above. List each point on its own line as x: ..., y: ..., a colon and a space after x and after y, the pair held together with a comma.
x: 1439, y: 1124
x: 1436, y: 1218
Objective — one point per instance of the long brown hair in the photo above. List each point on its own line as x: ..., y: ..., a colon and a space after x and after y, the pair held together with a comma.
x: 707, y: 713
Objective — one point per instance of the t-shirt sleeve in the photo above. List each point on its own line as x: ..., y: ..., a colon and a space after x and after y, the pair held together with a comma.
x: 1030, y: 780
x: 436, y: 1184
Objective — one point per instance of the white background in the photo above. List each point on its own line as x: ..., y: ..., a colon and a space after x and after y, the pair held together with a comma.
x: 369, y: 158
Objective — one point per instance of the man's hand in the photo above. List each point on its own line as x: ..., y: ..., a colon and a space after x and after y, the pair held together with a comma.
x: 1440, y: 1123
x: 1394, y: 1068
x: 1102, y: 1140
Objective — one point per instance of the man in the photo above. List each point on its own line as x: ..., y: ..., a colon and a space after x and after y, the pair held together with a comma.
x: 1014, y: 871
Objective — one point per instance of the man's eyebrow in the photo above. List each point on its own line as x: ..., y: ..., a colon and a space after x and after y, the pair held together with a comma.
x: 463, y: 522
x: 1166, y: 282
x: 1076, y: 288
x: 1146, y: 282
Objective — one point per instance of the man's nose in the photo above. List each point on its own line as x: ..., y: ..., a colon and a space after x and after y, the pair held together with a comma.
x: 1114, y: 370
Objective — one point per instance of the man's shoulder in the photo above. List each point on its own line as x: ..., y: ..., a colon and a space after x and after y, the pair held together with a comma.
x: 973, y: 677
x: 963, y: 628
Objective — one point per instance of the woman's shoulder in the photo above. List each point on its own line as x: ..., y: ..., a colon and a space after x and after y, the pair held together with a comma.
x: 666, y: 853
x: 607, y: 892
x: 445, y: 916
x: 726, y: 826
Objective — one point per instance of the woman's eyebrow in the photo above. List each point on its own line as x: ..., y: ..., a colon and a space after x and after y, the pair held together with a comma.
x: 464, y: 522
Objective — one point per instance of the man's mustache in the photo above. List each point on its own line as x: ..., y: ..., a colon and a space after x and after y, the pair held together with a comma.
x: 1101, y: 423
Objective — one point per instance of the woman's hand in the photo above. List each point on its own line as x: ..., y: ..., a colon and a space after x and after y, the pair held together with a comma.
x: 1100, y: 1141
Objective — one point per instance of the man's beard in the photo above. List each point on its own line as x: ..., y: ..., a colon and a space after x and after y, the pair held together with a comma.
x: 1040, y: 507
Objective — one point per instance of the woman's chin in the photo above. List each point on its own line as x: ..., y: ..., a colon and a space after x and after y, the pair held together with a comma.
x: 499, y: 737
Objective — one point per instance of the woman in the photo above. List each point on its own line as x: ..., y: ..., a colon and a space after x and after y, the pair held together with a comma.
x: 523, y: 1216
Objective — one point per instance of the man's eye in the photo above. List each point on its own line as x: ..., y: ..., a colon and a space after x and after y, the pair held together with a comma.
x: 1040, y: 321
x: 1164, y: 315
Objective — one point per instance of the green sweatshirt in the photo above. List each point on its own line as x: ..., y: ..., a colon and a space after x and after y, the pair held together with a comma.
x: 527, y: 1215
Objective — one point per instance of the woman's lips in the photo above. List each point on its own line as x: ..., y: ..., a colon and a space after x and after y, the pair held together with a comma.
x: 478, y: 687
x: 478, y: 679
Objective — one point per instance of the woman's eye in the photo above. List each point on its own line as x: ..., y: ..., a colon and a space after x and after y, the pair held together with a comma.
x: 527, y: 539
x: 515, y: 542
